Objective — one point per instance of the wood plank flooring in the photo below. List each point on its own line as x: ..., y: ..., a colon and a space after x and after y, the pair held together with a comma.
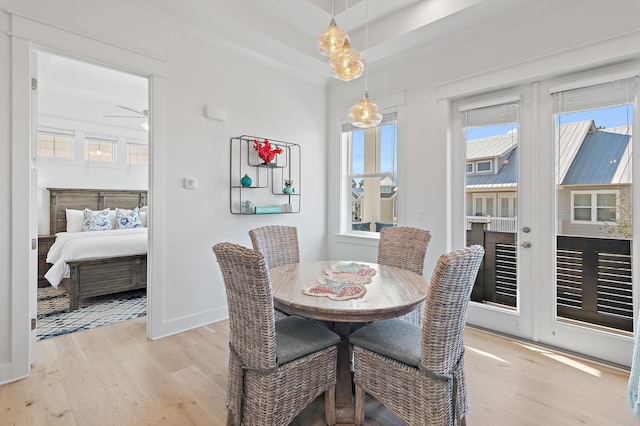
x: 113, y: 375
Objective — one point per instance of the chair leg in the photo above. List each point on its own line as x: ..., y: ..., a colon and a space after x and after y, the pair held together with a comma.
x: 463, y: 421
x: 330, y: 406
x: 359, y: 414
x: 230, y: 420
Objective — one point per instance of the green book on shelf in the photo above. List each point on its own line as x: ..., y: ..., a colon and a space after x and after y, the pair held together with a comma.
x: 268, y: 209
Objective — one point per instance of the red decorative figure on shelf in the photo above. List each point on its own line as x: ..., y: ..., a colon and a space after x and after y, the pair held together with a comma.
x: 265, y: 151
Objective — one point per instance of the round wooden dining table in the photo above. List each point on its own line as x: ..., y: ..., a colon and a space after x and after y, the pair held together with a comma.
x: 391, y: 292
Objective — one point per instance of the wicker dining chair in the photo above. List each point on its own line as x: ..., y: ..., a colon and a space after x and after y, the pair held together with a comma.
x: 418, y: 372
x: 277, y: 243
x: 404, y: 247
x: 276, y: 368
x: 279, y: 246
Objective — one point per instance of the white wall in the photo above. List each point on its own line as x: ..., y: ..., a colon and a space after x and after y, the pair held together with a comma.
x: 5, y: 195
x: 258, y: 100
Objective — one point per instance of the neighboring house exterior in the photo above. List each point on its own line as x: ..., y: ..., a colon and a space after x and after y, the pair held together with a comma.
x: 594, y: 175
x: 387, y: 213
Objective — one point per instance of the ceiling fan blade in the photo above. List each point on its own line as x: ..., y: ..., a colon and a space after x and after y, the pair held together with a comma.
x: 143, y: 113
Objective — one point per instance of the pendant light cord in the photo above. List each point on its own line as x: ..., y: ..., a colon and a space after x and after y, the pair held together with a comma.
x: 366, y: 44
x: 346, y: 17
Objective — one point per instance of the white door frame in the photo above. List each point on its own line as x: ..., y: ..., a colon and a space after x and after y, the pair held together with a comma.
x: 27, y: 35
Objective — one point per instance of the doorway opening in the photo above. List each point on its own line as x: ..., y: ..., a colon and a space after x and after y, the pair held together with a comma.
x: 91, y: 148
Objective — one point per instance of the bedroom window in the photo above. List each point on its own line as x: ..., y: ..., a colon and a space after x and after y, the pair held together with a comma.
x: 372, y: 171
x: 100, y: 148
x: 137, y: 153
x: 55, y: 143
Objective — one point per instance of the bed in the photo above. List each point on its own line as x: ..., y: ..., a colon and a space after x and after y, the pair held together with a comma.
x: 98, y: 263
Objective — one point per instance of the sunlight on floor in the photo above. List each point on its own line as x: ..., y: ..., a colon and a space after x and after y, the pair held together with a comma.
x: 563, y: 359
x: 486, y: 354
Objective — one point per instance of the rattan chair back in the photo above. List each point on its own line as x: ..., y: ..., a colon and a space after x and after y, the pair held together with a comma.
x: 250, y: 302
x: 403, y: 247
x: 445, y: 310
x: 277, y: 243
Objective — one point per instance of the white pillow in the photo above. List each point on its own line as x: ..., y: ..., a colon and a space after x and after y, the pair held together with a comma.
x: 144, y: 210
x: 74, y: 220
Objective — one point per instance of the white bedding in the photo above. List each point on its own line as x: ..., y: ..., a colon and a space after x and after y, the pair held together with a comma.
x: 83, y: 245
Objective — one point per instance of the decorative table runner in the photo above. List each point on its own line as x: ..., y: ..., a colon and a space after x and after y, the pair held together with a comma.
x: 343, y: 281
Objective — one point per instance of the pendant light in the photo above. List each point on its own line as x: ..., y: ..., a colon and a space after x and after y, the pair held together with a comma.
x: 346, y: 63
x: 365, y: 113
x: 332, y: 38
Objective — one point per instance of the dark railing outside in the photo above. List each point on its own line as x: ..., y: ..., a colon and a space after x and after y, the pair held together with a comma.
x: 594, y: 276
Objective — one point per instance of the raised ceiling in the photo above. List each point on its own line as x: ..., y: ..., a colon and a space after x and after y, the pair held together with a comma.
x: 281, y: 33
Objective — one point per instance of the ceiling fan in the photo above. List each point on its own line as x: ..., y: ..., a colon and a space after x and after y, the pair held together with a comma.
x: 141, y: 114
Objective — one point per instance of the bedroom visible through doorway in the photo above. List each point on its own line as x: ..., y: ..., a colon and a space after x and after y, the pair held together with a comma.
x: 91, y: 135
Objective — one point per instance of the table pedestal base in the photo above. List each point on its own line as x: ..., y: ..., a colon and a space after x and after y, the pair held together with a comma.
x: 345, y: 410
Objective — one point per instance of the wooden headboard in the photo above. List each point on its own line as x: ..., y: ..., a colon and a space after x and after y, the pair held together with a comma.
x: 94, y: 199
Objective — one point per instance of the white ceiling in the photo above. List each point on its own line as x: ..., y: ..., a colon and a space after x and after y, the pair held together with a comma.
x: 279, y: 32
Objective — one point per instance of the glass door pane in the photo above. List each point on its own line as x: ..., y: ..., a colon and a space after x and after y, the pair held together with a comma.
x: 492, y: 149
x: 594, y: 189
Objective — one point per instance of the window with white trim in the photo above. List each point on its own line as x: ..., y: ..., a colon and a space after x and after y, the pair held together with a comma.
x: 137, y: 153
x: 372, y: 175
x: 484, y: 204
x: 483, y: 167
x: 55, y: 143
x: 100, y: 148
x: 594, y: 206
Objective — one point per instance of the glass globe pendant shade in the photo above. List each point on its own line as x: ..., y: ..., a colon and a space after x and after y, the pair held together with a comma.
x: 365, y: 113
x: 346, y: 63
x: 330, y: 39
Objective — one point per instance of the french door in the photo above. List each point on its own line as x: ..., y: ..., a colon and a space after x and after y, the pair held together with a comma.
x: 558, y: 265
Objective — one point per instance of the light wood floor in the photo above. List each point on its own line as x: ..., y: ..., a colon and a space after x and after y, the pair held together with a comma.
x: 114, y: 376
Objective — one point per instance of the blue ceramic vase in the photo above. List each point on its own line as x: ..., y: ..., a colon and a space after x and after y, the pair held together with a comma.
x: 246, y: 180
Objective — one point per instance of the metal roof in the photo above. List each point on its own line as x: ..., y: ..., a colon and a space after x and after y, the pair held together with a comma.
x: 604, y: 158
x: 491, y: 147
x: 507, y: 176
x: 585, y: 156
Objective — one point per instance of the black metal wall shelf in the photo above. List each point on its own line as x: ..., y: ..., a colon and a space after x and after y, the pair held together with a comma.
x: 266, y: 193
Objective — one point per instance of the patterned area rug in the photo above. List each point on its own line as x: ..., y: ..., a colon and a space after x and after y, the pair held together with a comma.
x: 55, y: 319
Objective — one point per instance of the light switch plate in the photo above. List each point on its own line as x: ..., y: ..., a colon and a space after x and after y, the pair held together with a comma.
x: 189, y: 183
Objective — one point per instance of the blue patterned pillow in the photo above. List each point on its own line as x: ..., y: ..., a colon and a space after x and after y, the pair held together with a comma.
x: 96, y: 220
x: 126, y: 219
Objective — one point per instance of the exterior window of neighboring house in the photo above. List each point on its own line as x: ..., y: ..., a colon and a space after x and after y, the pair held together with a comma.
x: 594, y: 207
x: 137, y: 153
x: 484, y: 204
x: 469, y: 167
x: 372, y: 165
x: 55, y: 143
x: 100, y: 148
x: 483, y: 166
x: 508, y: 204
